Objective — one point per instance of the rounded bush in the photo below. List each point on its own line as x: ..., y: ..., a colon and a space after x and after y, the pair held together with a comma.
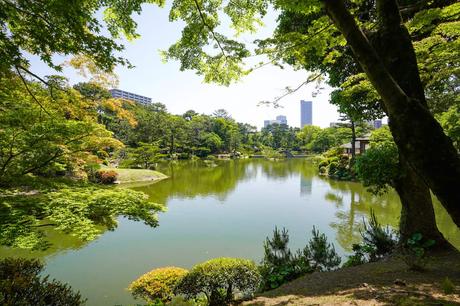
x: 218, y: 279
x: 106, y: 177
x: 333, y: 167
x: 157, y: 284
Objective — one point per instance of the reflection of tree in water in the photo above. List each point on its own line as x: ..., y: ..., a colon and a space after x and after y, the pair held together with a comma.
x: 190, y: 179
x: 285, y: 168
x: 355, y: 204
x: 58, y: 244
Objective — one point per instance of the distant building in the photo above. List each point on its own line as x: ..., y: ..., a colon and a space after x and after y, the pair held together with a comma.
x: 306, y: 113
x: 279, y: 120
x: 377, y: 124
x: 118, y: 93
x: 361, y: 145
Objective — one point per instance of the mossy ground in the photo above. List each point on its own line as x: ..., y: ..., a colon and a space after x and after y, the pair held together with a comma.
x: 387, y: 282
x: 137, y: 175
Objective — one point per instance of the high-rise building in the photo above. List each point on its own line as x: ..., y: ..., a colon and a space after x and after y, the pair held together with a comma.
x: 118, y: 93
x: 281, y: 119
x: 306, y: 113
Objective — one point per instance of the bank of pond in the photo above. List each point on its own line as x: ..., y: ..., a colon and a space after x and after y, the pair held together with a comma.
x: 224, y: 210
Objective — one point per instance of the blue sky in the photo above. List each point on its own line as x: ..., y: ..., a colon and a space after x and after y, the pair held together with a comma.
x: 181, y: 91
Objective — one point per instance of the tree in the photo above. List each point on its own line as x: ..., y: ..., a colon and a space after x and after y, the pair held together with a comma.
x: 54, y: 137
x: 380, y: 167
x: 23, y: 284
x: 385, y: 54
x: 44, y: 29
x: 145, y: 156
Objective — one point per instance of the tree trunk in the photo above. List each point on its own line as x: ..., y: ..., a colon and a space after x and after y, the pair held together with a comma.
x: 353, y: 142
x: 417, y: 213
x: 419, y: 137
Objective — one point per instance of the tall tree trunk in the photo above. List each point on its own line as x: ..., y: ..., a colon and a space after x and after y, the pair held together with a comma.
x: 353, y: 142
x: 417, y: 212
x: 419, y: 137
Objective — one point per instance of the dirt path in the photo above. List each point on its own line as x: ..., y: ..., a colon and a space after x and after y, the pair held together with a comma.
x: 383, y: 283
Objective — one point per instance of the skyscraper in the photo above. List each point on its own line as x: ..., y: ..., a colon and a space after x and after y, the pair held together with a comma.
x: 281, y: 119
x: 306, y: 113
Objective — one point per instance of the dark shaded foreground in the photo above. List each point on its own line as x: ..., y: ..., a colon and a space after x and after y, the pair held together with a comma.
x: 387, y: 282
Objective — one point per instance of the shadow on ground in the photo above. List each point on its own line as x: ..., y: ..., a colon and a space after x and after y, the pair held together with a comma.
x: 387, y: 282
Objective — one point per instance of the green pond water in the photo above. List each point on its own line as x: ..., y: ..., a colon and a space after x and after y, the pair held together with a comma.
x: 218, y: 210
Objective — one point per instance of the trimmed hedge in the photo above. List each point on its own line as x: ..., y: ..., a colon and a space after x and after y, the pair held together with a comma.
x: 157, y: 284
x: 219, y: 278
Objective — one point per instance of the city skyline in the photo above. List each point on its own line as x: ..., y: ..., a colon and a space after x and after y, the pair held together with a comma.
x: 280, y: 119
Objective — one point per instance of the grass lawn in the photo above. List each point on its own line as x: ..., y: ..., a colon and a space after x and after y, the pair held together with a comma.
x: 137, y: 175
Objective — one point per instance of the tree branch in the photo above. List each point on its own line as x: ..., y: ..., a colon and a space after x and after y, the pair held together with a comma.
x: 366, y: 55
x: 209, y: 28
x: 289, y: 91
x: 30, y: 92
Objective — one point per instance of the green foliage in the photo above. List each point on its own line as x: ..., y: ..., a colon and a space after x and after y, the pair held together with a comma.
x: 45, y: 30
x: 145, y: 156
x: 158, y: 284
x: 50, y: 138
x: 378, y: 167
x: 335, y: 164
x: 415, y: 251
x: 450, y: 121
x: 377, y: 242
x: 358, y: 257
x: 280, y: 265
x: 22, y: 284
x: 83, y: 212
x: 320, y: 253
x: 447, y: 286
x: 219, y: 278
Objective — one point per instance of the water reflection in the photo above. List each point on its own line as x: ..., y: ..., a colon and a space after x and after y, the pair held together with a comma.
x: 350, y: 199
x: 59, y: 243
x: 226, y: 209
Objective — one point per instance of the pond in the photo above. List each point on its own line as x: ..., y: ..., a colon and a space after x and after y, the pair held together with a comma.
x: 222, y: 209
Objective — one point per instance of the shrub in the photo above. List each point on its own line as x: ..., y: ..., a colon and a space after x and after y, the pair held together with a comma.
x: 106, y: 177
x: 21, y: 284
x: 157, y: 284
x: 333, y: 167
x: 414, y: 251
x: 320, y: 253
x: 279, y: 265
x: 378, y: 241
x: 323, y: 163
x: 447, y: 286
x: 218, y: 279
